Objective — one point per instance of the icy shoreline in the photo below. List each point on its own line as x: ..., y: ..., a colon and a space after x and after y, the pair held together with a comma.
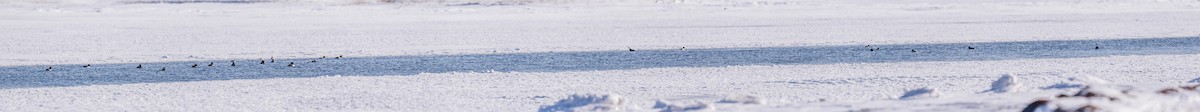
x: 736, y: 57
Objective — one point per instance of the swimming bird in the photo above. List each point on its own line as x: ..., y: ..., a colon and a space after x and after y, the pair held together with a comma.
x: 210, y: 63
x: 50, y: 69
x: 262, y: 62
x: 87, y: 66
x: 272, y: 59
x: 914, y: 50
x: 194, y: 65
x: 682, y: 48
x: 322, y: 57
x: 631, y: 49
x: 339, y: 57
x: 139, y: 66
x: 163, y: 69
x: 291, y: 64
x: 1097, y: 47
x: 314, y: 61
x: 970, y: 47
x: 232, y: 63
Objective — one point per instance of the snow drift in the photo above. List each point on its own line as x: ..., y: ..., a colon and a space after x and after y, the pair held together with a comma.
x: 741, y: 99
x: 326, y: 2
x: 1006, y: 83
x: 921, y: 93
x: 684, y: 106
x: 1122, y: 98
x: 524, y: 2
x: 587, y: 102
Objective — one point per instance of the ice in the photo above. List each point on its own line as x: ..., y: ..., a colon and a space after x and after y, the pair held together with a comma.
x: 523, y: 55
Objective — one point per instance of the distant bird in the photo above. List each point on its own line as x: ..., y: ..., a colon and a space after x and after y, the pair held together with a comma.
x: 970, y: 47
x: 322, y: 57
x: 210, y: 63
x: 194, y: 65
x: 139, y: 66
x: 262, y: 62
x: 272, y: 59
x: 682, y: 48
x: 631, y: 49
x: 869, y: 48
x: 291, y: 64
x: 163, y: 69
x: 50, y: 69
x: 338, y: 57
x: 1097, y: 47
x: 914, y: 50
x: 232, y: 63
x: 87, y: 66
x: 314, y: 61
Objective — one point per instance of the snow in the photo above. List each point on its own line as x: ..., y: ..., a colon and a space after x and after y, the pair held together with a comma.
x: 690, y: 106
x: 568, y: 55
x: 920, y: 93
x: 587, y: 103
x: 1006, y: 83
x: 96, y: 34
x: 741, y: 99
x: 871, y: 86
x: 1125, y: 98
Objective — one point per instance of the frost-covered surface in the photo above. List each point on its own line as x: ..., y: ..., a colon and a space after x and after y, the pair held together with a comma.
x: 134, y: 33
x: 93, y: 74
x: 587, y: 103
x: 550, y: 55
x: 1006, y: 83
x: 826, y: 87
x: 1123, y: 98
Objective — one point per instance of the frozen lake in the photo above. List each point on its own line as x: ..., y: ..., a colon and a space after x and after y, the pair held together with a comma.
x: 102, y: 74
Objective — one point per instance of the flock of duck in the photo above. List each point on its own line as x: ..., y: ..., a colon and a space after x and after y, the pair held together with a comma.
x: 293, y: 64
x: 231, y: 63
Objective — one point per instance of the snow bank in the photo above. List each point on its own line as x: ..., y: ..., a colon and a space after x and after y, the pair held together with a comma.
x: 524, y: 2
x: 1122, y: 99
x: 741, y: 99
x: 587, y: 102
x: 1089, y: 80
x: 328, y: 2
x: 57, y: 2
x: 1077, y: 82
x: 1196, y: 80
x: 922, y: 93
x: 1006, y: 83
x: 685, y: 106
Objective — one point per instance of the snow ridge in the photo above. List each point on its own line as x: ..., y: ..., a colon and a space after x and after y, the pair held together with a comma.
x: 587, y: 102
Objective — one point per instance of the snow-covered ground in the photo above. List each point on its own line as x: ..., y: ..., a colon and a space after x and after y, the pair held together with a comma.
x: 134, y: 33
x: 843, y: 87
x: 553, y: 55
